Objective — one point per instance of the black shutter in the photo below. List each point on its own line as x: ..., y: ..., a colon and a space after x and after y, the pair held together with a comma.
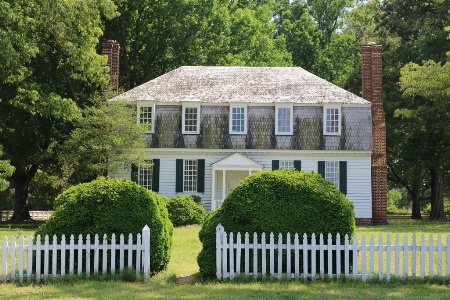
x: 298, y: 165
x: 275, y: 164
x: 343, y: 177
x: 179, y: 176
x: 321, y: 168
x: 134, y: 173
x: 155, y: 175
x: 201, y: 176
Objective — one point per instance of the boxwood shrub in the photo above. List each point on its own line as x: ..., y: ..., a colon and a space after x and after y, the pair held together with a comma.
x: 185, y: 210
x: 278, y: 201
x: 107, y: 206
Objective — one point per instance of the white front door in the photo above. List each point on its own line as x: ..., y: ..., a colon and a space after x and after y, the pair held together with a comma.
x: 233, y: 178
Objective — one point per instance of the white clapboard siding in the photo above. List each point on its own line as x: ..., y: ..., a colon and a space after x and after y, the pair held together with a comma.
x: 367, y: 257
x: 359, y: 190
x: 45, y: 257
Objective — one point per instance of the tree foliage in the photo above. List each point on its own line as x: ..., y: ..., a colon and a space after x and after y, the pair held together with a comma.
x: 50, y: 69
x: 412, y: 32
x: 6, y: 171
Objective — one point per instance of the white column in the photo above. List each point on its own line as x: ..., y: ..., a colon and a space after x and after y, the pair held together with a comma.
x: 224, y: 181
x: 213, y: 200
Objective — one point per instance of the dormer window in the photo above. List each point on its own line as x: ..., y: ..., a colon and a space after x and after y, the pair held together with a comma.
x: 332, y: 120
x: 238, y: 119
x: 191, y: 118
x: 146, y: 114
x: 283, y: 119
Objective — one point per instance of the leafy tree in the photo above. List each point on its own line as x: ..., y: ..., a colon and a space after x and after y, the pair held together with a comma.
x: 6, y: 171
x: 102, y: 138
x: 412, y: 31
x: 50, y: 69
x: 428, y: 84
x: 157, y: 37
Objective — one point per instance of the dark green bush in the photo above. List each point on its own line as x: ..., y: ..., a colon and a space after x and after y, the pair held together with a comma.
x: 107, y: 206
x: 279, y: 201
x: 184, y: 210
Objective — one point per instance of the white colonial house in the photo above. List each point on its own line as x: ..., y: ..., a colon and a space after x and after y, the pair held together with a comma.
x: 213, y: 126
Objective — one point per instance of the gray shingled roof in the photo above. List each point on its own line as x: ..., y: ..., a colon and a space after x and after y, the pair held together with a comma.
x: 240, y: 84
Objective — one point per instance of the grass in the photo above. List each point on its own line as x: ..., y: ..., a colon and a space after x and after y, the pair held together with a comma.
x: 181, y: 279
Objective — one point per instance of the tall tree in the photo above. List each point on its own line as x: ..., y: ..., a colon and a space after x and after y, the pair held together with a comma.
x: 157, y: 37
x: 412, y: 31
x: 428, y: 84
x: 50, y: 69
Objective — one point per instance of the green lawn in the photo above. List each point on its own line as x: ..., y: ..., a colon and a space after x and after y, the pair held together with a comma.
x: 177, y: 282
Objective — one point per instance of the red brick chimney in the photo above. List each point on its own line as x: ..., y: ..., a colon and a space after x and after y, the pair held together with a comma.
x: 372, y: 91
x: 112, y: 49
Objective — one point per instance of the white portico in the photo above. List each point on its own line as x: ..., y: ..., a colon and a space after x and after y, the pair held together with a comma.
x: 227, y: 173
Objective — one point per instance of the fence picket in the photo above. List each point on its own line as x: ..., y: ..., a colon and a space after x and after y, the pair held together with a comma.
x: 397, y: 255
x: 113, y: 254
x: 104, y: 254
x: 13, y: 258
x: 272, y: 254
x: 263, y: 254
x: 388, y: 257
x: 225, y: 255
x: 63, y: 255
x: 338, y: 255
x: 71, y: 254
x: 363, y: 259
x: 280, y: 255
x: 46, y: 255
x: 405, y: 255
x: 30, y: 257
x: 355, y: 255
x: 288, y: 255
x: 346, y: 256
x: 238, y: 253
x: 422, y: 256
x: 330, y: 256
x: 231, y: 243
x: 313, y: 255
x: 54, y: 255
x: 430, y: 256
x: 321, y: 258
x: 296, y: 256
x: 246, y: 254
x: 255, y: 254
x: 372, y: 256
x: 80, y: 255
x: 38, y: 258
x: 305, y: 255
x: 439, y: 256
x: 21, y: 257
x: 88, y: 255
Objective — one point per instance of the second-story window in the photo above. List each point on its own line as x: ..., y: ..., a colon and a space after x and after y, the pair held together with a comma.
x: 283, y: 119
x: 146, y: 114
x: 238, y: 119
x: 191, y: 118
x: 331, y: 120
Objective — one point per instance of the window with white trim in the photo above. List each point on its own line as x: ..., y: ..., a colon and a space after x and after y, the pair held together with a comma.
x: 146, y: 114
x: 331, y: 120
x: 191, y: 118
x: 238, y: 119
x: 283, y: 119
x: 332, y: 172
x: 190, y: 175
x: 287, y: 164
x: 145, y: 175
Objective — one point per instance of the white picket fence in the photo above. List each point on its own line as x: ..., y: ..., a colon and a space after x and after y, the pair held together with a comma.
x: 37, y: 215
x: 413, y: 258
x: 24, y: 258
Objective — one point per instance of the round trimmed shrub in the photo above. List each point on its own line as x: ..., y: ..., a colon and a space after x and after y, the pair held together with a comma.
x: 278, y: 201
x: 107, y: 206
x: 185, y: 210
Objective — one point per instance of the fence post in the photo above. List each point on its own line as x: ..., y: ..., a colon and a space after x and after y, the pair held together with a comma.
x: 219, y: 232
x: 146, y: 246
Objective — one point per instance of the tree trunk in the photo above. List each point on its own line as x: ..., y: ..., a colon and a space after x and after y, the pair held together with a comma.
x: 415, y: 195
x: 20, y: 181
x: 437, y: 192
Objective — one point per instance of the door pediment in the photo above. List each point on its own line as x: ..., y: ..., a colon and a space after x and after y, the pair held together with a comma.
x: 237, y: 161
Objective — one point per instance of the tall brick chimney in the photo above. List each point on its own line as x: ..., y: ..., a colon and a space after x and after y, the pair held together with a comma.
x: 112, y: 49
x: 372, y: 91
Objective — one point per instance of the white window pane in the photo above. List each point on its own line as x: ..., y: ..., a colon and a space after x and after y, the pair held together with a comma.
x: 145, y: 176
x: 332, y: 172
x: 190, y: 175
x: 288, y: 164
